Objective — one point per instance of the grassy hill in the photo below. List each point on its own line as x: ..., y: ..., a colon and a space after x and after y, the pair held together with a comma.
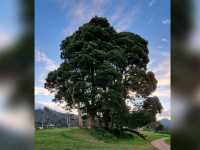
x: 84, y: 139
x: 151, y: 135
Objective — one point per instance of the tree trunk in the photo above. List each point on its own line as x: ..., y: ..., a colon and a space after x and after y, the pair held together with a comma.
x: 107, y: 120
x: 106, y: 125
x: 80, y: 120
x: 90, y: 121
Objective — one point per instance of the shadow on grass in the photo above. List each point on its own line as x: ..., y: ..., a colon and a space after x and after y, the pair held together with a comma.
x: 111, y: 136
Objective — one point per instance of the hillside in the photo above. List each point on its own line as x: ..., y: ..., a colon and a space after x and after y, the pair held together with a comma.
x: 83, y: 139
x: 57, y: 118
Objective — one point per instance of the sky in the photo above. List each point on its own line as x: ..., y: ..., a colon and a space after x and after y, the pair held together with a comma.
x: 57, y: 19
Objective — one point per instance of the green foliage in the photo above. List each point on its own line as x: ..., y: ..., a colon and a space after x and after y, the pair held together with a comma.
x: 103, y: 135
x: 168, y: 140
x: 139, y: 119
x: 153, y: 105
x: 152, y: 135
x: 156, y: 126
x: 100, y: 66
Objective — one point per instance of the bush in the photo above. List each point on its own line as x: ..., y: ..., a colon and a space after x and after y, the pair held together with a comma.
x: 102, y: 134
x: 109, y: 136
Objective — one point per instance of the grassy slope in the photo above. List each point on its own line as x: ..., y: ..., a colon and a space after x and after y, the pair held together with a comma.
x: 83, y: 139
x: 168, y: 140
x: 150, y: 135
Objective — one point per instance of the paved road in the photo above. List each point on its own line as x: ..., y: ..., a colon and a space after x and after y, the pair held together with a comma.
x: 160, y: 144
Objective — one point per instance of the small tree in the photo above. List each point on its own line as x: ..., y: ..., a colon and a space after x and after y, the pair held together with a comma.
x: 145, y: 114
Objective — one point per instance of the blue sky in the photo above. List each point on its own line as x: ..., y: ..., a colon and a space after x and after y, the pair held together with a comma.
x: 56, y: 19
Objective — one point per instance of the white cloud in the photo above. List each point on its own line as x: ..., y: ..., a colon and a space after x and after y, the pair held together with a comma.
x: 164, y: 81
x: 166, y: 21
x: 42, y: 91
x: 51, y: 105
x: 151, y: 3
x: 70, y: 29
x: 161, y: 68
x: 42, y: 77
x: 122, y: 19
x: 166, y: 114
x: 81, y: 11
x: 163, y: 73
x: 84, y: 11
x: 48, y: 65
x: 162, y: 93
x: 43, y: 67
x: 164, y: 40
x: 43, y: 58
x: 59, y: 107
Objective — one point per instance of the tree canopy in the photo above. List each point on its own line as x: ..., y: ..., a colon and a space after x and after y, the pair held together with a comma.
x: 100, y: 67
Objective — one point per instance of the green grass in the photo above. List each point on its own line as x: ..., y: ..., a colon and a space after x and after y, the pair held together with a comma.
x: 168, y: 140
x: 84, y: 139
x: 151, y: 135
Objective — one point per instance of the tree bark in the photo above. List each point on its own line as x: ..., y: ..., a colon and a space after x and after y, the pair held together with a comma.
x: 90, y: 121
x: 90, y: 114
x: 107, y: 121
x: 80, y: 120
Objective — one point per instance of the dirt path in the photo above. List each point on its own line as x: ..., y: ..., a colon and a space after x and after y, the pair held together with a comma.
x: 160, y: 144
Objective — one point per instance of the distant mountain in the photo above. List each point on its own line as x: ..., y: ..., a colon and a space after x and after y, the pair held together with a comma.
x: 39, y: 106
x: 58, y: 119
x: 166, y: 123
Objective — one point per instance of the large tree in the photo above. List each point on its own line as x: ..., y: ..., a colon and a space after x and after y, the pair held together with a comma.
x: 100, y: 67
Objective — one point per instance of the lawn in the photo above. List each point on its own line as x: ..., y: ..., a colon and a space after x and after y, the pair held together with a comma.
x: 151, y: 135
x: 168, y: 140
x: 84, y: 139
